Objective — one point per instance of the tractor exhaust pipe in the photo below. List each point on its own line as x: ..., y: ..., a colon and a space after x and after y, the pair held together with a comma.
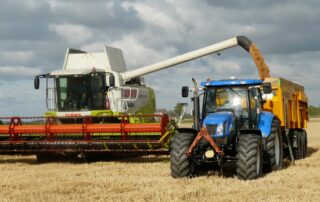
x: 196, y: 106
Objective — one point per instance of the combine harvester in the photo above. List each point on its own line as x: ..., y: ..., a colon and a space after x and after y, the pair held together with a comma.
x: 96, y: 106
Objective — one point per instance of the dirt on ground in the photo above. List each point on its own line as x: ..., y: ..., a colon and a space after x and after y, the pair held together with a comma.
x: 149, y: 179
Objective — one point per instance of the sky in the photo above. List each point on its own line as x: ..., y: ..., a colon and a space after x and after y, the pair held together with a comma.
x: 34, y: 36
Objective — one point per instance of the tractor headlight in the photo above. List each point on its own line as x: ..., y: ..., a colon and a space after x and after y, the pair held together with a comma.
x: 220, y: 129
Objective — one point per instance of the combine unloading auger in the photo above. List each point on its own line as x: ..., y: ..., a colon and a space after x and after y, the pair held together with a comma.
x: 241, y: 41
x: 121, y: 133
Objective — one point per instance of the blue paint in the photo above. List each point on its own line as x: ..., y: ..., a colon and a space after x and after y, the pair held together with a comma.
x: 237, y: 82
x: 224, y: 118
x: 265, y: 123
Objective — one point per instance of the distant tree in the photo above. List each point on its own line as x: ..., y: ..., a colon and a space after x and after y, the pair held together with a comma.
x: 314, y: 111
x: 178, y: 109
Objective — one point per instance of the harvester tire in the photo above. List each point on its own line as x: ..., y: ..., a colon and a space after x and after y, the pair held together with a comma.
x: 249, y: 157
x: 274, y: 151
x: 181, y: 164
x: 44, y: 158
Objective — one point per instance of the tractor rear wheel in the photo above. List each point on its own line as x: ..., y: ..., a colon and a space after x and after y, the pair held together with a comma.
x: 181, y: 164
x: 274, y: 150
x: 249, y: 157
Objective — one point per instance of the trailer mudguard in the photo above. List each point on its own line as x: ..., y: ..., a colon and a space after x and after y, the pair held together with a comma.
x: 265, y: 123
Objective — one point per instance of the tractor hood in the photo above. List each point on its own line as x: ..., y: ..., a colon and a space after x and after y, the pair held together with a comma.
x: 219, y: 124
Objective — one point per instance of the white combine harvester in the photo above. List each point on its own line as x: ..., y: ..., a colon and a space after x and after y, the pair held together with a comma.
x: 98, y: 84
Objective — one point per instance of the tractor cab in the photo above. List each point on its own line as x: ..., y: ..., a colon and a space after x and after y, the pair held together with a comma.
x: 231, y: 105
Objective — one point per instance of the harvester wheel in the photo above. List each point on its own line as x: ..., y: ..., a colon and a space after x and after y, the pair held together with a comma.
x: 181, y: 164
x: 274, y: 150
x: 44, y: 158
x: 249, y: 157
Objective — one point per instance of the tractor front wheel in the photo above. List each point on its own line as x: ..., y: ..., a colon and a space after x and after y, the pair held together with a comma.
x: 181, y: 164
x: 249, y: 157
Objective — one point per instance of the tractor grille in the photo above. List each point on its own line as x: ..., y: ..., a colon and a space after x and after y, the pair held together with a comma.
x: 212, y: 128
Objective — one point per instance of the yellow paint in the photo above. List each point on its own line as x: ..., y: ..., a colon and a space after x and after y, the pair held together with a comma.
x: 289, y: 103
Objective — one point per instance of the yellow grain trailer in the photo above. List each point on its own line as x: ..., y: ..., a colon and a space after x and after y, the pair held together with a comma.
x: 290, y: 105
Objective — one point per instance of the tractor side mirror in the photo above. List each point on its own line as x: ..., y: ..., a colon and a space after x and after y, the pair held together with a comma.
x: 185, y: 91
x: 111, y: 80
x: 36, y: 82
x: 267, y: 89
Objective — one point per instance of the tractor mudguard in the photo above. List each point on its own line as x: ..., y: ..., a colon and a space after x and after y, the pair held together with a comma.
x: 265, y: 123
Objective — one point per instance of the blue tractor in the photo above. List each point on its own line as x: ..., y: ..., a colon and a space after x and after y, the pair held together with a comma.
x: 232, y: 127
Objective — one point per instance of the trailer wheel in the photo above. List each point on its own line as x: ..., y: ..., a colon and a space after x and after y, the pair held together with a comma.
x: 274, y: 150
x: 305, y: 144
x: 249, y: 157
x: 300, y: 148
x: 181, y: 164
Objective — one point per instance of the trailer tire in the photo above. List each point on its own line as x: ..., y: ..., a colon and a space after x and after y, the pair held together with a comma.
x: 249, y: 157
x: 274, y: 149
x: 300, y: 151
x: 302, y: 145
x: 181, y: 164
x: 305, y: 144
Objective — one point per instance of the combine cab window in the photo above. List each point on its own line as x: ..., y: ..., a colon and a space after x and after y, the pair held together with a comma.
x: 81, y: 93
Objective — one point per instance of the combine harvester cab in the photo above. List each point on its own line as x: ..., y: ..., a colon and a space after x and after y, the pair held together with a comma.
x: 90, y: 84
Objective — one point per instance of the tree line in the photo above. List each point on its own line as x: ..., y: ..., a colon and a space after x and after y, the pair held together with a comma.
x: 314, y: 111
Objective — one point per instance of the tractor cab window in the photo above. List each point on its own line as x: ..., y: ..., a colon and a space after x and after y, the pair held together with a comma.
x: 226, y: 99
x: 231, y: 99
x: 77, y: 93
x: 255, y: 105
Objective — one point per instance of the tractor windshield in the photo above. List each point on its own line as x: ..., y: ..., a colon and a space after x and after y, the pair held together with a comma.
x: 232, y: 99
x: 79, y: 93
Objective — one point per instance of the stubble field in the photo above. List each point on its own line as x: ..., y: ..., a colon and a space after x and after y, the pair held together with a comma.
x: 148, y: 179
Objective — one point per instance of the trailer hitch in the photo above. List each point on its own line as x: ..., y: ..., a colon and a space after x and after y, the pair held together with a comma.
x: 204, y: 133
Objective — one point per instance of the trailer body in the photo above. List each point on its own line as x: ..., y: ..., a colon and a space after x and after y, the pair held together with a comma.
x: 289, y: 103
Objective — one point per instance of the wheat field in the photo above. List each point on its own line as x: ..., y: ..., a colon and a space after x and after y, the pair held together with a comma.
x: 148, y: 179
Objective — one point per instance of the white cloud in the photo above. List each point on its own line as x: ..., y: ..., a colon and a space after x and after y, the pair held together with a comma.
x: 156, y: 16
x: 150, y: 31
x: 226, y: 67
x: 72, y: 33
x: 19, y: 71
x: 137, y: 54
x: 16, y: 56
